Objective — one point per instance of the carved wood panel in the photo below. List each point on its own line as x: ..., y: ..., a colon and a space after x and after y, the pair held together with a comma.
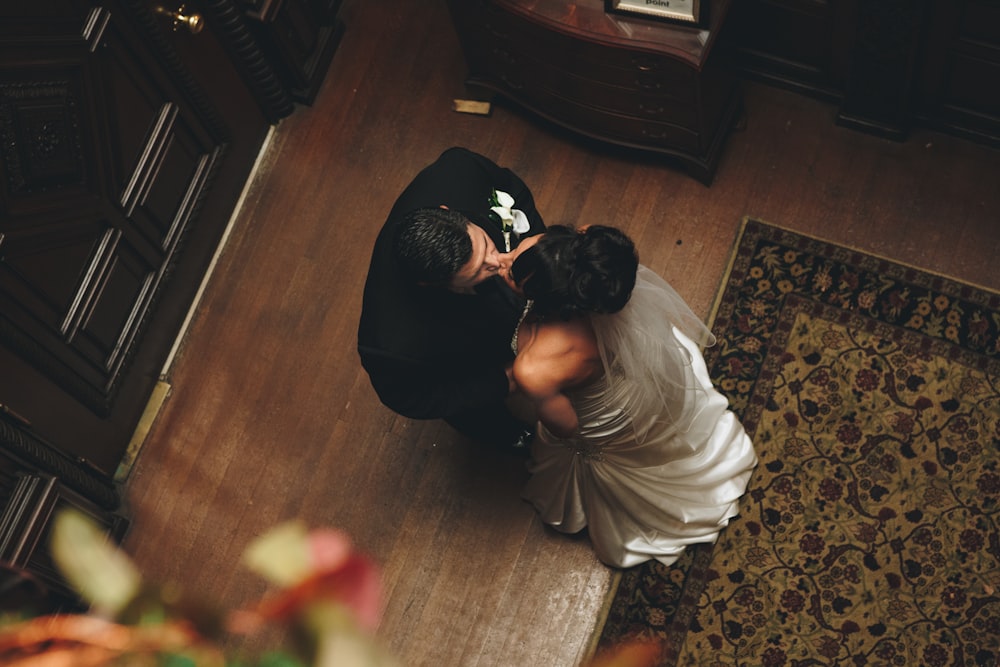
x: 124, y: 147
x: 102, y: 173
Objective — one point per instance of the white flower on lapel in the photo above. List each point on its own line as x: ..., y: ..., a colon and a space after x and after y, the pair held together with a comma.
x: 511, y: 219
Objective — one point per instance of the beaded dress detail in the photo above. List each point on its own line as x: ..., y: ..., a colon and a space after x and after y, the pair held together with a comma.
x: 517, y: 328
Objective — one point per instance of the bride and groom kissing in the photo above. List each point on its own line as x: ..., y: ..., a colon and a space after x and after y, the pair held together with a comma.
x: 627, y: 436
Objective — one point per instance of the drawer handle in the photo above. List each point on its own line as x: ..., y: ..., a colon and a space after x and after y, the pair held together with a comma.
x: 659, y: 134
x: 651, y: 111
x: 648, y: 85
x: 644, y: 64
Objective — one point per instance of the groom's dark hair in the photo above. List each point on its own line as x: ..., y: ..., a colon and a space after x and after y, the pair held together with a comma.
x: 432, y: 245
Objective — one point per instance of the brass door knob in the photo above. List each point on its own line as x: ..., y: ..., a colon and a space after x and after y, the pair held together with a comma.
x: 178, y: 18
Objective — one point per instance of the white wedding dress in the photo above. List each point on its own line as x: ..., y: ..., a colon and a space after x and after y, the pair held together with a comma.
x: 659, y: 461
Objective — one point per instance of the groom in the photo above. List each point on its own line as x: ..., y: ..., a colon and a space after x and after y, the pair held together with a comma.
x: 436, y: 319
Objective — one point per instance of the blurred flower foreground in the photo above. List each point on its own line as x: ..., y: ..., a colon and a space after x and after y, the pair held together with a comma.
x: 327, y: 594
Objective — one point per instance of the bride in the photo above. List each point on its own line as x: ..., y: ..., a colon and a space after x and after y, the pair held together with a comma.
x: 633, y: 441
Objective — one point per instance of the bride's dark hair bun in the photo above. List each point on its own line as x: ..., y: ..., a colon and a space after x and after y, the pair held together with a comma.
x: 569, y: 273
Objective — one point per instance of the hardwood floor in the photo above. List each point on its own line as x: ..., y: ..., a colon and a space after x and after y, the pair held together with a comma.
x: 271, y: 416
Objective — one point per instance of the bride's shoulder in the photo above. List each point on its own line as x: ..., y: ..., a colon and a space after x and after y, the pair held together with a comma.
x: 563, y: 336
x: 559, y: 353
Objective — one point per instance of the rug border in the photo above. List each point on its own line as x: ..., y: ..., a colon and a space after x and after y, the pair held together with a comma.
x: 821, y: 239
x: 723, y: 282
x: 602, y: 616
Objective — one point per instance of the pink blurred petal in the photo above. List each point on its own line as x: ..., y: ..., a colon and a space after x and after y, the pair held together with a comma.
x: 328, y: 549
x: 356, y: 585
x: 361, y: 590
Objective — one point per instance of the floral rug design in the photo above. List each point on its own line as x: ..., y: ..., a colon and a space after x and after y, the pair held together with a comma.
x: 870, y: 533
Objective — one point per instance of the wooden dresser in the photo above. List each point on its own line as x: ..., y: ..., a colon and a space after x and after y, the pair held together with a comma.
x: 633, y: 82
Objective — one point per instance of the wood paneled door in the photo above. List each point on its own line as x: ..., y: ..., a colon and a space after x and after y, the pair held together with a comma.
x: 120, y: 164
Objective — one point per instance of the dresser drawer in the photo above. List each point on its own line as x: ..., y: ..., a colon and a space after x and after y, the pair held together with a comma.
x: 623, y: 129
x: 522, y: 74
x: 597, y: 122
x: 647, y: 73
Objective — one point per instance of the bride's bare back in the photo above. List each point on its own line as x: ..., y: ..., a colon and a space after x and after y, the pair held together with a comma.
x: 553, y: 357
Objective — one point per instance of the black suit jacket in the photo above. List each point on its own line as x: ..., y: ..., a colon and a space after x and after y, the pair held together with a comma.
x: 431, y: 353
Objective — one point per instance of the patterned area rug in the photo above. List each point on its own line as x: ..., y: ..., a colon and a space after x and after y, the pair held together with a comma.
x: 870, y: 534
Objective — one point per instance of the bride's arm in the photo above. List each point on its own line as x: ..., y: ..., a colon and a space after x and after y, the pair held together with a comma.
x: 541, y: 379
x: 557, y: 414
x: 555, y: 411
x: 551, y: 407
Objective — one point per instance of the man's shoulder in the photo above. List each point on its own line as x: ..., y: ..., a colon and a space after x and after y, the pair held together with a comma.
x: 464, y: 156
x: 459, y: 179
x: 461, y: 162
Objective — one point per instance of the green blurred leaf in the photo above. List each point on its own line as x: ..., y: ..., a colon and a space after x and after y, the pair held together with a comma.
x: 101, y: 573
x: 178, y: 660
x: 279, y: 659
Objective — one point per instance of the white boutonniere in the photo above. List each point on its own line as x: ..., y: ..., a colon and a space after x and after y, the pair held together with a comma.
x: 511, y: 219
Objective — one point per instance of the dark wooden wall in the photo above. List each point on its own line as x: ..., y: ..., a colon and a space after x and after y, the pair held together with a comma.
x: 889, y: 66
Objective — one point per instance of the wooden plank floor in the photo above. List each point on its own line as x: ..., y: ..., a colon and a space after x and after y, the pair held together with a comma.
x: 271, y: 417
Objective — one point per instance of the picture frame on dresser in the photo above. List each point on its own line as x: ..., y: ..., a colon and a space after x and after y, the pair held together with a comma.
x: 693, y: 13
